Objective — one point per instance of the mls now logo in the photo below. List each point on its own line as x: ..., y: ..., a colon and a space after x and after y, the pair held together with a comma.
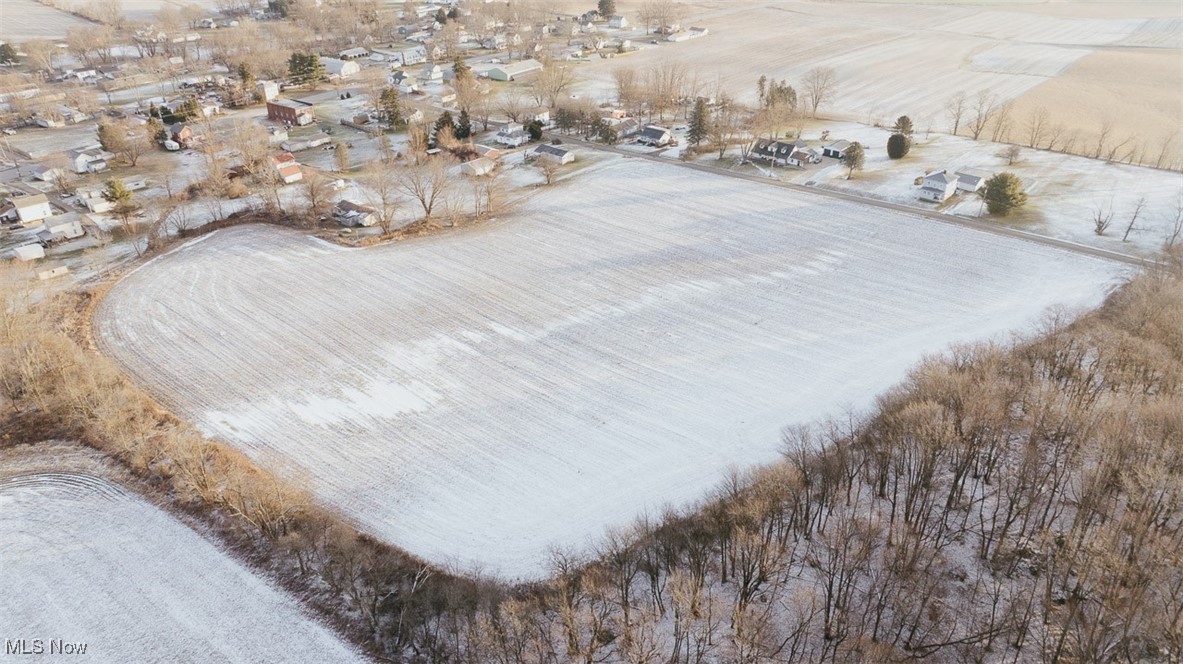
x: 42, y: 647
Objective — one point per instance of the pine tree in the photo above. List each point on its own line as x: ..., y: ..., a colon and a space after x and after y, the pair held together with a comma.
x: 1004, y: 193
x: 156, y: 129
x: 607, y: 7
x: 7, y: 53
x: 854, y: 158
x: 390, y: 108
x: 762, y: 89
x: 444, y: 120
x: 898, y: 146
x: 117, y: 194
x: 463, y: 125
x: 461, y: 69
x: 699, y: 123
x: 535, y: 130
x: 903, y: 125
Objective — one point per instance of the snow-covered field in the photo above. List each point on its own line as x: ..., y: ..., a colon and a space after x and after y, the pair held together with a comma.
x: 1064, y: 189
x: 85, y: 562
x: 634, y: 333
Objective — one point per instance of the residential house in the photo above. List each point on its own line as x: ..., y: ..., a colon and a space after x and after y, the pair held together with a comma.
x: 479, y: 166
x: 836, y: 150
x: 433, y: 74
x: 406, y: 83
x: 181, y: 134
x: 971, y: 180
x: 348, y: 213
x: 291, y: 112
x: 32, y: 208
x: 617, y: 22
x: 340, y: 68
x: 61, y: 228
x: 655, y: 136
x: 779, y: 153
x: 92, y: 198
x: 554, y: 153
x: 539, y: 115
x: 89, y: 160
x: 512, y: 135
x: 625, y: 127
x: 28, y: 252
x: 938, y: 186
x: 287, y: 168
x: 514, y: 70
x: 486, y: 151
x: 49, y: 173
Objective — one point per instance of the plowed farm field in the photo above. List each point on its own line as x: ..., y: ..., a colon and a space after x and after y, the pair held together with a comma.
x: 85, y: 563
x: 614, y: 347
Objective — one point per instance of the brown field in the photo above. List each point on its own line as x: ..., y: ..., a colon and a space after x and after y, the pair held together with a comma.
x: 21, y: 20
x: 1100, y: 87
x: 1085, y: 62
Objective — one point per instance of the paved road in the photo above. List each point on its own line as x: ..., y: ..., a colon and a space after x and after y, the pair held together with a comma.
x: 975, y: 224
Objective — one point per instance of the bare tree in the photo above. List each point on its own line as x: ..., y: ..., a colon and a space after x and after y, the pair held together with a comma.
x: 1001, y: 132
x: 985, y: 105
x: 955, y: 108
x: 1102, y: 218
x: 383, y: 189
x: 628, y: 87
x: 1037, y: 126
x: 1133, y: 218
x: 551, y: 83
x: 549, y: 169
x: 513, y: 104
x: 819, y: 87
x: 1174, y: 226
x: 1102, y: 137
x: 1012, y: 154
x: 426, y: 182
x: 316, y: 189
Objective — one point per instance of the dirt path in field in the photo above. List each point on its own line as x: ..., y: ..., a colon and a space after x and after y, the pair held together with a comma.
x: 935, y: 216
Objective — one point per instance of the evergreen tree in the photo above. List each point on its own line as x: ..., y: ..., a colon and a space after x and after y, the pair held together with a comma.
x: 854, y: 158
x: 305, y: 68
x: 461, y: 69
x: 762, y: 88
x: 390, y: 108
x: 780, y: 95
x: 463, y: 125
x: 441, y: 16
x: 156, y: 129
x: 7, y: 53
x: 1003, y: 193
x: 246, y: 76
x: 606, y: 7
x: 535, y: 130
x: 118, y: 195
x: 903, y: 125
x: 699, y: 123
x: 898, y: 145
x: 444, y: 120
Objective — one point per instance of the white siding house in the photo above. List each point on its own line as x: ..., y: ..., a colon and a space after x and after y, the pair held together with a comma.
x: 938, y: 186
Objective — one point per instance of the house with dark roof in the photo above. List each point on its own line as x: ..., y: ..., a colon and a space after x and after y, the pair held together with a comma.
x: 555, y: 153
x: 655, y: 136
x: 348, y: 213
x: 784, y: 153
